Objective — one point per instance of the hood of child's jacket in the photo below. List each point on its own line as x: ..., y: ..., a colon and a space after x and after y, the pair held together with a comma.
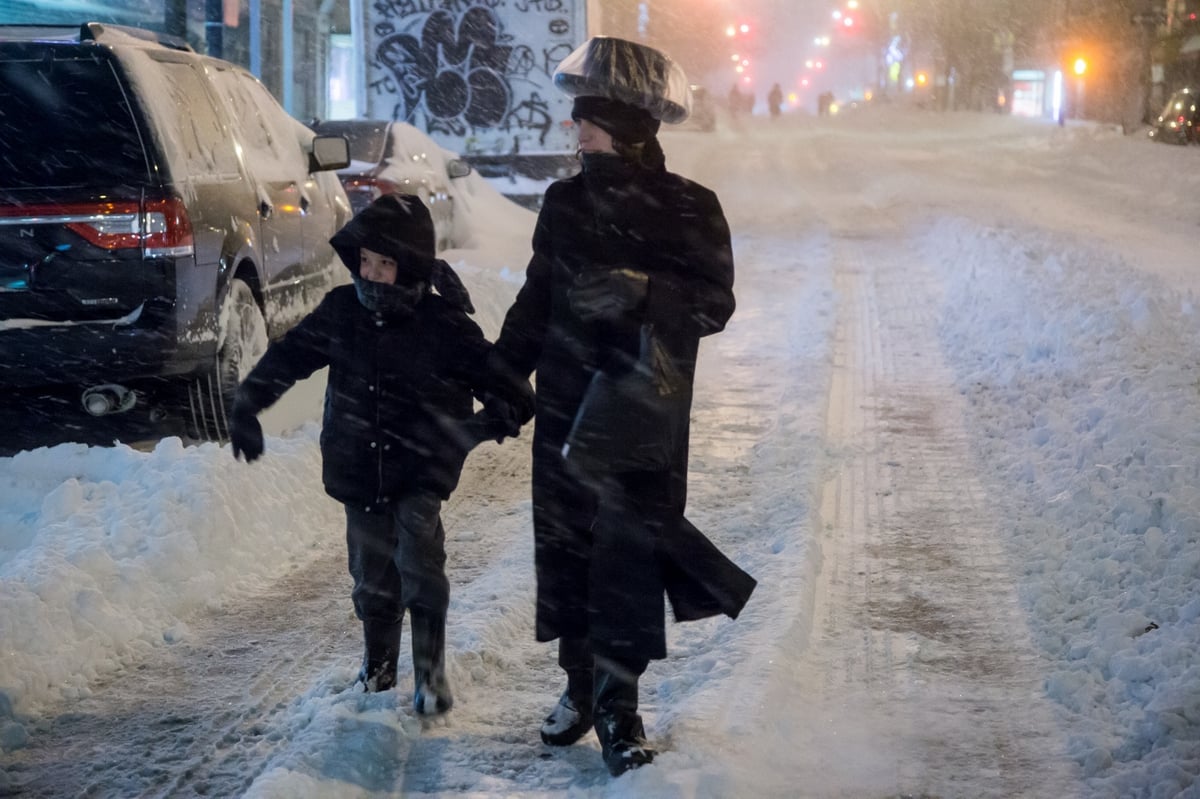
x: 396, y: 225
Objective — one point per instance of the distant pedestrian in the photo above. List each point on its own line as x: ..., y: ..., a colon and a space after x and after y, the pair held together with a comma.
x: 405, y: 365
x: 775, y: 100
x: 736, y: 101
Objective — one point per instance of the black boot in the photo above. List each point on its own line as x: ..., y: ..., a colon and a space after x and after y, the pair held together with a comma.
x: 572, y: 716
x: 382, y: 639
x: 622, y: 737
x: 431, y: 693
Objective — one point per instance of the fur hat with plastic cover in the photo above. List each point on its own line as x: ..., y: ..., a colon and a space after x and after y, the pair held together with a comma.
x: 628, y: 72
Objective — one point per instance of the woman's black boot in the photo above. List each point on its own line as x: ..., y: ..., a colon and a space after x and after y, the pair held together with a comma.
x: 572, y: 716
x: 622, y: 737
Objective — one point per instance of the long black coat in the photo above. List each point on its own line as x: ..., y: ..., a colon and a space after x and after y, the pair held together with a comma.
x: 674, y: 230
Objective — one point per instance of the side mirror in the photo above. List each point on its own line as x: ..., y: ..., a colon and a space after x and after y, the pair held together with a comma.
x: 329, y: 152
x: 458, y: 168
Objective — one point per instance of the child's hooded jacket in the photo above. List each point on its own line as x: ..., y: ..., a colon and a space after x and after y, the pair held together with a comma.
x: 399, y: 398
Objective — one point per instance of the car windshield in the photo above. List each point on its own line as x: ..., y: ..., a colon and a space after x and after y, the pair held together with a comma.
x: 1179, y: 103
x: 367, y: 140
x: 66, y: 123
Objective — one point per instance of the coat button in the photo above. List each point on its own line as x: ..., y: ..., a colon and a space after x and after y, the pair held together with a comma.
x: 373, y: 445
x: 386, y: 447
x: 370, y: 388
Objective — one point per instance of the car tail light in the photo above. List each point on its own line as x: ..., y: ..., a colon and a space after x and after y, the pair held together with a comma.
x: 161, y: 228
x: 167, y: 229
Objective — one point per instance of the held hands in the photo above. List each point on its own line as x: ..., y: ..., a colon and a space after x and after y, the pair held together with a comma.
x: 608, y: 294
x: 510, y: 395
x: 495, y: 422
x: 507, y: 417
x: 245, y: 434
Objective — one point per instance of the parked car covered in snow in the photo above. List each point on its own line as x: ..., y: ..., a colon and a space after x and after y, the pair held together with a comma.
x: 394, y: 157
x: 161, y: 219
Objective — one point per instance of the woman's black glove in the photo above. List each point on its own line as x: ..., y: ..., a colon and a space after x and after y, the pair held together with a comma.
x: 245, y: 433
x: 608, y: 294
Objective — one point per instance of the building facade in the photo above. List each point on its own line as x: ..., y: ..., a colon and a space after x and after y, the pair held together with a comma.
x: 286, y: 43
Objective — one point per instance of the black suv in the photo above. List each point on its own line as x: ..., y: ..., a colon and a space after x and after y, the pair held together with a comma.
x: 161, y: 219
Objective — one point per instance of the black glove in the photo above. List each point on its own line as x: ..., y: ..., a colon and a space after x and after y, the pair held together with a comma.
x: 503, y: 417
x: 608, y: 294
x: 245, y: 434
x: 485, y: 425
x: 509, y: 389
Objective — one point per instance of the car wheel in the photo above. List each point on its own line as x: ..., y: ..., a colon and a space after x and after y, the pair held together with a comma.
x: 241, y: 342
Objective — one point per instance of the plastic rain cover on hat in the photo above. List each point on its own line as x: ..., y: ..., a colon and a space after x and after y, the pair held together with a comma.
x: 630, y: 72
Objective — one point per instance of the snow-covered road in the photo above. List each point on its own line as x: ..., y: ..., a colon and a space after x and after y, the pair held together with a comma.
x: 909, y: 288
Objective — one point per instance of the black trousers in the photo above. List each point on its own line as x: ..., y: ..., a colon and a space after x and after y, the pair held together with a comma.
x: 398, y: 559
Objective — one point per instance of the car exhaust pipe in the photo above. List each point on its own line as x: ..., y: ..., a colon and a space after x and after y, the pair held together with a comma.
x: 108, y: 398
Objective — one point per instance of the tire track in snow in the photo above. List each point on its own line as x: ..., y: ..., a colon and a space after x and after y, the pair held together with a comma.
x: 920, y: 662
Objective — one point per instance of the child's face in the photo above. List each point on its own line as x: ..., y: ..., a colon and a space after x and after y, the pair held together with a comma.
x: 375, y: 267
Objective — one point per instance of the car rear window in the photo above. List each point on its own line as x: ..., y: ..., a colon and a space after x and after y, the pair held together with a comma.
x: 366, y: 141
x: 66, y: 122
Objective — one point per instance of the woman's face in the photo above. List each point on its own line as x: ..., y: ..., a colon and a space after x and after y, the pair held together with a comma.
x: 593, y: 138
x: 375, y: 267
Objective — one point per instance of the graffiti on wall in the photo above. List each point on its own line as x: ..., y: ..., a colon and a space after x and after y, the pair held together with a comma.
x: 458, y: 69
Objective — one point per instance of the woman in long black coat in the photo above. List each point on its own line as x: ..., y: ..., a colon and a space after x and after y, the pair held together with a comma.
x: 623, y: 244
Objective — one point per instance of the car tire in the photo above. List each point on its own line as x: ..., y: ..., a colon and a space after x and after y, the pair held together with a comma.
x: 241, y: 342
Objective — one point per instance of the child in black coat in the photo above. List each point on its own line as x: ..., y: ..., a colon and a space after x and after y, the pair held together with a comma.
x: 405, y: 365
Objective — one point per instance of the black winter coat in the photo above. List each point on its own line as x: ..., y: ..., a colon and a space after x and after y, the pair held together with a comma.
x: 673, y: 230
x: 399, y: 394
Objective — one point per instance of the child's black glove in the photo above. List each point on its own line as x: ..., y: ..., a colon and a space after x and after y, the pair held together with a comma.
x: 245, y: 433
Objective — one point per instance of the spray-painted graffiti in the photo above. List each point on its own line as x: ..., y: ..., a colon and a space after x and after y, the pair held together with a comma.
x: 463, y: 70
x: 546, y: 6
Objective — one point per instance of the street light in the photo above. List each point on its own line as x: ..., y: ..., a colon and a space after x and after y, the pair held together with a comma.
x: 1079, y: 68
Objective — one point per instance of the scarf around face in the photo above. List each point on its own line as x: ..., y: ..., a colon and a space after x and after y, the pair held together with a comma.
x: 388, y: 300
